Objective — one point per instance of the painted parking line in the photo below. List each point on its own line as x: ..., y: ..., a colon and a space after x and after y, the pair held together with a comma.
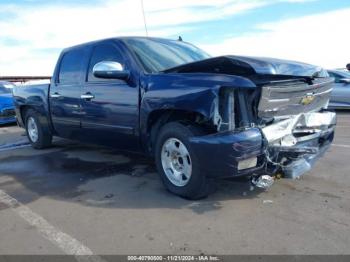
x: 345, y: 146
x: 65, y: 242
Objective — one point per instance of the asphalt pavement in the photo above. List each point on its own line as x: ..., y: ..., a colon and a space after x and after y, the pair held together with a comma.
x: 82, y: 199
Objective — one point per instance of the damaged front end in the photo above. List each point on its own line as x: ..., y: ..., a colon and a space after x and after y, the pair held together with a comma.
x: 296, y: 125
x: 282, y: 127
x: 275, y: 122
x: 294, y: 144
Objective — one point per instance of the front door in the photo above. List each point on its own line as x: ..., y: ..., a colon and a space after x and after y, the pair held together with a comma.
x: 110, y: 111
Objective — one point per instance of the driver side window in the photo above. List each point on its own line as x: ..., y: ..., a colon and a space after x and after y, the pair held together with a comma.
x: 103, y: 52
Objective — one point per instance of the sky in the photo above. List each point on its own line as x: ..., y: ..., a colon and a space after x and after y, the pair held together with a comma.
x: 34, y: 32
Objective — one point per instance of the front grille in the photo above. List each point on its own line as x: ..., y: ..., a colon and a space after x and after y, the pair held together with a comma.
x: 285, y: 98
x: 7, y: 113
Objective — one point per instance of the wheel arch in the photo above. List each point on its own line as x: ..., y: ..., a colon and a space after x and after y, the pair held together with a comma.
x: 43, y: 118
x: 157, y: 118
x: 22, y: 113
x: 42, y: 130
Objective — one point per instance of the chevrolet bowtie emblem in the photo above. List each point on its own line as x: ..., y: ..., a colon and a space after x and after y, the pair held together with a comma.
x: 306, y: 100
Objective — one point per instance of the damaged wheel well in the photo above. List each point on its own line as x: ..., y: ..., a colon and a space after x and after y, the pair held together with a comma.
x: 158, y: 118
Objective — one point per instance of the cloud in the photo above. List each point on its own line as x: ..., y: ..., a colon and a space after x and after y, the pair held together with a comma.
x: 319, y: 39
x: 32, y: 35
x: 299, y: 1
x: 58, y: 25
x: 55, y: 26
x: 193, y: 11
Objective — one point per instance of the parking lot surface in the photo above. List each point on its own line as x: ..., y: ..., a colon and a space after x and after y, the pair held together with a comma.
x: 81, y: 199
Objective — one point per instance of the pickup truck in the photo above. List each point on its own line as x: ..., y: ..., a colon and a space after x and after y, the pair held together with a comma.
x: 200, y: 117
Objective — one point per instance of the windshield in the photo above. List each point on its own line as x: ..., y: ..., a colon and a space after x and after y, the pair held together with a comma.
x: 5, y: 88
x: 156, y: 55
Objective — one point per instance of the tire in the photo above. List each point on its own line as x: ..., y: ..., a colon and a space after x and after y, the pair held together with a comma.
x: 174, y: 137
x: 38, y: 134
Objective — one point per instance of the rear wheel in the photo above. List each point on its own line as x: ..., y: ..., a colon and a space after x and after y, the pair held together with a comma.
x: 177, y: 162
x: 38, y: 134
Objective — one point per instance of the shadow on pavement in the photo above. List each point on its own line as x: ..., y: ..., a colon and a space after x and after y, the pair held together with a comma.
x: 8, y: 124
x: 105, y: 178
x: 342, y: 111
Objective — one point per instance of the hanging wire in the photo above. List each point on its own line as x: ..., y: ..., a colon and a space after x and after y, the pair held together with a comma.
x: 144, y: 17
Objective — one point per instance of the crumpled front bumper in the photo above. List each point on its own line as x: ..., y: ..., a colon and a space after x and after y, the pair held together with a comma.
x: 296, y: 143
x: 291, y: 146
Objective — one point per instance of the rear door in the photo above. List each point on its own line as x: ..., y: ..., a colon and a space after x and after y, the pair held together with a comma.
x: 65, y: 92
x: 111, y: 116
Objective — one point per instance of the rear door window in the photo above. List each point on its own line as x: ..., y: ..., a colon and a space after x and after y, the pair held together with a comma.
x: 71, y: 67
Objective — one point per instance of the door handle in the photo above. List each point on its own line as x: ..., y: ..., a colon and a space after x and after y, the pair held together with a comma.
x: 87, y: 96
x: 55, y: 95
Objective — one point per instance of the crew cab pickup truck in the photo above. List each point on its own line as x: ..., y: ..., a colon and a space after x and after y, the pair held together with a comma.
x: 200, y: 117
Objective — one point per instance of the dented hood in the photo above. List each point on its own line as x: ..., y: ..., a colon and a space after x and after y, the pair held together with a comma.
x: 245, y: 66
x: 273, y: 66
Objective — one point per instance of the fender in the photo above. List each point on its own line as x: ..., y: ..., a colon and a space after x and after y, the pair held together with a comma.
x: 190, y: 92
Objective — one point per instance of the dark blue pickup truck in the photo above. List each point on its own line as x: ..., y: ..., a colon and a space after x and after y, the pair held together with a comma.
x: 200, y: 117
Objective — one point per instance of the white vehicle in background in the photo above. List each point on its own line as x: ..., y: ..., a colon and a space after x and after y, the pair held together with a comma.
x: 340, y: 97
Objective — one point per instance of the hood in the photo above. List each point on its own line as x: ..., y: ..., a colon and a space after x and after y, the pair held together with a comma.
x: 274, y: 66
x: 6, y: 100
x: 247, y: 66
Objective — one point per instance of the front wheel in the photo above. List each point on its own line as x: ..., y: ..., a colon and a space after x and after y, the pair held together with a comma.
x: 177, y: 162
x: 38, y: 134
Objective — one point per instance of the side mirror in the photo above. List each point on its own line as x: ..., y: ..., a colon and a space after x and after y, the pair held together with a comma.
x: 110, y: 69
x: 344, y: 81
